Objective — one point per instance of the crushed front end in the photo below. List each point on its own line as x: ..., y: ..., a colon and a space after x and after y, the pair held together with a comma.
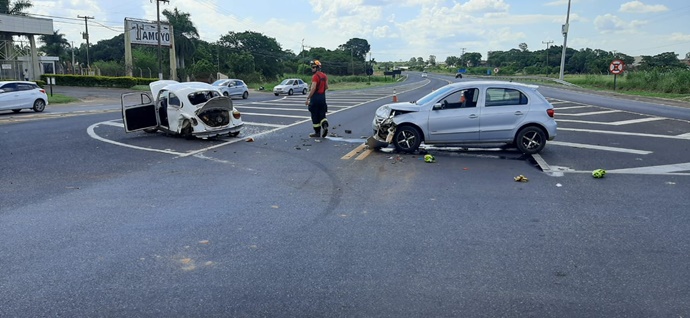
x: 384, y: 128
x: 217, y: 117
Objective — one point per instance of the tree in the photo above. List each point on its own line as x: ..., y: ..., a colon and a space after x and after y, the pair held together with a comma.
x: 15, y: 8
x: 432, y: 60
x: 54, y: 44
x: 358, y: 48
x: 472, y: 58
x: 523, y: 47
x: 266, y: 51
x: 183, y: 33
x: 452, y: 61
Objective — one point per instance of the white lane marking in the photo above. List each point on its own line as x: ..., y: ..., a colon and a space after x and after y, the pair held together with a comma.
x: 608, y: 132
x: 273, y: 108
x: 264, y: 124
x: 615, y: 123
x: 559, y: 102
x: 572, y: 107
x: 276, y: 115
x: 586, y: 146
x: 661, y: 169
x: 93, y: 135
x: 112, y: 123
x: 591, y: 113
x: 684, y: 136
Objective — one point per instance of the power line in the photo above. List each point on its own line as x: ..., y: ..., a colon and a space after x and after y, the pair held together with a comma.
x: 86, y: 36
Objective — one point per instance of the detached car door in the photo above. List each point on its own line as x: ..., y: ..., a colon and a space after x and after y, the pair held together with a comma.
x: 138, y: 111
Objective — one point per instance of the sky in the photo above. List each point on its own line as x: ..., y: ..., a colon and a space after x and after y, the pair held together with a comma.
x: 398, y: 30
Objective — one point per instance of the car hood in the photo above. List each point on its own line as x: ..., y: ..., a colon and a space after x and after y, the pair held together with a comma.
x: 406, y: 106
x: 222, y: 102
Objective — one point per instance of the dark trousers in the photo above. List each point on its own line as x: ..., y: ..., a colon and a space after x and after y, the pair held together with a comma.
x: 318, y: 109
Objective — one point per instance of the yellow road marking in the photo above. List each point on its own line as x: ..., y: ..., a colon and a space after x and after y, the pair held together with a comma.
x: 364, y: 154
x: 352, y: 153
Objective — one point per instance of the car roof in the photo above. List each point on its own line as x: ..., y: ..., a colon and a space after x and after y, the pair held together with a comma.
x: 494, y: 83
x: 20, y: 82
x: 180, y: 88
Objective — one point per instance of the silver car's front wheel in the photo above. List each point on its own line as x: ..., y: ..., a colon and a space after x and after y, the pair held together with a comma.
x: 530, y: 140
x: 407, y: 139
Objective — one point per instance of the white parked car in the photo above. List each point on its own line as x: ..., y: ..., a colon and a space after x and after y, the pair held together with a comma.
x: 477, y: 112
x: 190, y: 109
x: 18, y: 95
x: 291, y: 86
x: 232, y: 87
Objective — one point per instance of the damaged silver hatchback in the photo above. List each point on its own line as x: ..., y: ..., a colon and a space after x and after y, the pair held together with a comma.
x: 468, y: 113
x: 190, y: 109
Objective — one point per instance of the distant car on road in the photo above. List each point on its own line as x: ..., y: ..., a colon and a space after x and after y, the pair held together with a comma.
x: 291, y: 86
x: 18, y: 95
x: 423, y: 74
x: 458, y: 75
x: 190, y: 109
x: 486, y: 112
x: 232, y: 88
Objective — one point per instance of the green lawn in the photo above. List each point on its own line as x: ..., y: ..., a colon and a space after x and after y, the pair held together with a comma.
x: 60, y: 99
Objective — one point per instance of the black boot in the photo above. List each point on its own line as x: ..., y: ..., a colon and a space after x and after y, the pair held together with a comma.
x: 316, y: 134
x: 324, y: 125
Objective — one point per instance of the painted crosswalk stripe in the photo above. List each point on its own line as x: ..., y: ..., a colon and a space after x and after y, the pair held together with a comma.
x: 597, y: 147
x: 591, y: 113
x: 615, y: 123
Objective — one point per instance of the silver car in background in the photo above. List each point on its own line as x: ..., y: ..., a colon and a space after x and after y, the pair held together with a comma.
x: 291, y: 86
x: 232, y: 88
x: 476, y: 112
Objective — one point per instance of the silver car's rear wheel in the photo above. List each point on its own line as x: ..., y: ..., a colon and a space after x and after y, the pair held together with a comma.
x: 245, y: 95
x: 39, y: 105
x: 407, y: 139
x: 304, y: 91
x: 290, y: 92
x: 530, y: 140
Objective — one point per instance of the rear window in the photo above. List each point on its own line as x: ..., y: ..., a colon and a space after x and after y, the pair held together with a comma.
x: 505, y: 97
x: 201, y: 97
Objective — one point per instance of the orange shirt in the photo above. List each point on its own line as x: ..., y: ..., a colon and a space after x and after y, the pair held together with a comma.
x: 321, y: 82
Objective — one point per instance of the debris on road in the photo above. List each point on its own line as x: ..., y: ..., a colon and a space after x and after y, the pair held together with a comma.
x: 521, y: 178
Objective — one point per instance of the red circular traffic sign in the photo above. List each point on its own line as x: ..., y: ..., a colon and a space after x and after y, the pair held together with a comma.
x: 617, y: 67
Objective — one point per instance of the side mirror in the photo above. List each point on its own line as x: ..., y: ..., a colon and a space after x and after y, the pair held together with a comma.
x: 2, y: 90
x: 438, y: 106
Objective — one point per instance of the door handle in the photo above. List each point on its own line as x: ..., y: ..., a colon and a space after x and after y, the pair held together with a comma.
x: 473, y: 116
x: 518, y: 113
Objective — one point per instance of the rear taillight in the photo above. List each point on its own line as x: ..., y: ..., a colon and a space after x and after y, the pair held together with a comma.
x: 550, y: 112
x: 43, y: 91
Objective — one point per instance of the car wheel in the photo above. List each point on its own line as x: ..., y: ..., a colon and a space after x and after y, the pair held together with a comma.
x: 245, y: 95
x: 226, y: 94
x: 290, y: 92
x: 39, y: 105
x: 16, y: 110
x: 234, y: 134
x: 304, y: 91
x: 407, y: 139
x: 530, y: 140
x: 150, y: 130
x: 275, y: 94
x: 186, y: 132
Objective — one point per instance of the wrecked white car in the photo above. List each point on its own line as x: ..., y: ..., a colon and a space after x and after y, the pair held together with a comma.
x: 478, y: 112
x: 190, y: 109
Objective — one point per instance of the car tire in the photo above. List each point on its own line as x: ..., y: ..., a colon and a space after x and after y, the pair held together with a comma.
x: 407, y: 139
x: 245, y: 95
x: 290, y: 92
x: 530, y: 140
x: 16, y: 110
x: 186, y: 132
x: 234, y: 134
x: 226, y: 94
x: 39, y: 105
x: 304, y: 91
x: 276, y: 94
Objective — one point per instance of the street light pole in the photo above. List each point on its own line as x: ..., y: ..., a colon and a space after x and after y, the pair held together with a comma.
x: 86, y: 36
x: 565, y: 40
x: 548, y: 43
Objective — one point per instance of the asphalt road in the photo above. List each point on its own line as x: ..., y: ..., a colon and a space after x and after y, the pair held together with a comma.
x: 96, y: 222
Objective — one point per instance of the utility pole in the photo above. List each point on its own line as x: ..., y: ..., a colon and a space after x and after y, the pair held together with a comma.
x: 548, y: 43
x: 462, y: 58
x: 86, y: 36
x: 352, y: 62
x: 73, y: 70
x: 564, y: 30
x: 160, y: 55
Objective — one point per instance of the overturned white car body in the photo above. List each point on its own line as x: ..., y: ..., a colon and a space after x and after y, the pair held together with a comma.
x: 191, y: 109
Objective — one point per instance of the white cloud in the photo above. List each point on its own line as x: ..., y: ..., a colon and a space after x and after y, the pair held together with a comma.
x: 639, y: 7
x: 610, y: 23
x: 679, y: 37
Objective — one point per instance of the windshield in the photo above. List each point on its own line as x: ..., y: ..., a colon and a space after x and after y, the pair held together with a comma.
x: 435, y: 95
x: 286, y: 82
x: 218, y: 82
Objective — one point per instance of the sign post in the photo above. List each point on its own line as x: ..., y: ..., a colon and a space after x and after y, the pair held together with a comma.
x: 616, y: 67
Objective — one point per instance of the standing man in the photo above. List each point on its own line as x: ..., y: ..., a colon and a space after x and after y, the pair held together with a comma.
x: 316, y: 101
x: 26, y: 74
